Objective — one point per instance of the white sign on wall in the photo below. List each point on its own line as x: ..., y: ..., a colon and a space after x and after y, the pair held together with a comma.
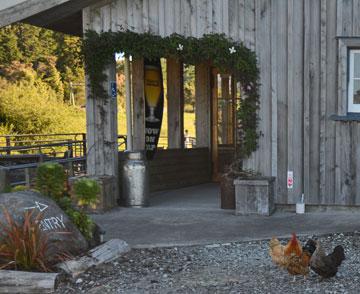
x: 290, y: 179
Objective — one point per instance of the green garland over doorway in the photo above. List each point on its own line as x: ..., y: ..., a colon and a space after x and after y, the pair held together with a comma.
x: 223, y: 53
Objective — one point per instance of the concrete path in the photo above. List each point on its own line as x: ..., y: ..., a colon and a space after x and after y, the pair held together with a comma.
x: 191, y: 216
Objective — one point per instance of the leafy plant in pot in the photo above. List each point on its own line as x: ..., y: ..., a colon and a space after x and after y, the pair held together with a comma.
x: 247, y: 135
x: 247, y: 191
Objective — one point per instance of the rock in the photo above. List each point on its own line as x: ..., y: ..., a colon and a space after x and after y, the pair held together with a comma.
x: 212, y: 246
x: 62, y: 234
x: 78, y: 281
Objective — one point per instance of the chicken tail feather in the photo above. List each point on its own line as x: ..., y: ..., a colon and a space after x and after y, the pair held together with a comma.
x: 338, y: 255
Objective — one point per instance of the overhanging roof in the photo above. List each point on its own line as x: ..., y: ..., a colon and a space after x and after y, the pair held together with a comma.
x: 59, y: 15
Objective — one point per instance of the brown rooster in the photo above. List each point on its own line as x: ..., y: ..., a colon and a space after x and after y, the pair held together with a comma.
x: 326, y: 265
x: 291, y: 256
x: 297, y: 260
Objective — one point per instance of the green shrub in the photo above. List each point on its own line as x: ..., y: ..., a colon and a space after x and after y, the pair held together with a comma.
x: 82, y: 221
x: 79, y: 218
x: 5, y: 130
x: 64, y: 203
x: 6, y: 189
x: 19, y: 188
x: 50, y: 180
x: 32, y: 107
x: 86, y: 192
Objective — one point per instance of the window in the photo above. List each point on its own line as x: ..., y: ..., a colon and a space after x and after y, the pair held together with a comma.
x: 348, y: 94
x: 354, y: 81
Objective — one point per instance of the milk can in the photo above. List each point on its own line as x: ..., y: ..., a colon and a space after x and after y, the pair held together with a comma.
x: 135, y: 179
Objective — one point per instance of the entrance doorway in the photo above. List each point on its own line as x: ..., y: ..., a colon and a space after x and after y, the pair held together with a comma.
x: 224, y: 103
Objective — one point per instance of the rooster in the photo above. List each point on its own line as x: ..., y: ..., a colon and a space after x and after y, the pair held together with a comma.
x: 298, y: 260
x: 326, y: 265
x: 291, y: 256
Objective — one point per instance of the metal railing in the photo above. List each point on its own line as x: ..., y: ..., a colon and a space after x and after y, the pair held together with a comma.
x: 52, y: 145
x: 20, y: 155
x: 25, y: 174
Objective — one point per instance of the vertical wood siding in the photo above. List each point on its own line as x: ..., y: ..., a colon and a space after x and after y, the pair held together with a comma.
x: 297, y: 49
x: 101, y: 126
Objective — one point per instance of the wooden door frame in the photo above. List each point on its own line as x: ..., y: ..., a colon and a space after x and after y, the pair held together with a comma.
x: 214, y: 127
x: 214, y: 121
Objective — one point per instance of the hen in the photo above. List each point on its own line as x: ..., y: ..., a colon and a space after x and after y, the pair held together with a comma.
x: 276, y: 252
x: 291, y: 256
x: 326, y: 265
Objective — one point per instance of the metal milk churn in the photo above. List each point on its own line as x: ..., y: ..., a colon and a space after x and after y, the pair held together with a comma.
x: 135, y: 179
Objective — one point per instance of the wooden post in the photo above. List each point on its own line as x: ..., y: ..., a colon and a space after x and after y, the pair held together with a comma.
x: 202, y: 105
x: 101, y: 115
x: 129, y: 140
x: 175, y: 96
x: 138, y: 104
x: 4, y: 179
x: 84, y: 144
x: 225, y: 93
x: 214, y: 126
x: 27, y: 177
x: 27, y: 282
x: 101, y: 126
x: 8, y: 145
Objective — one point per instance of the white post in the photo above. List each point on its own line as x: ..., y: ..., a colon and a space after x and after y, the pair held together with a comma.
x: 129, y: 139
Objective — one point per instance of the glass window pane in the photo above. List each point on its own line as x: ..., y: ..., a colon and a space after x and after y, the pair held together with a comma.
x: 356, y: 65
x: 356, y: 92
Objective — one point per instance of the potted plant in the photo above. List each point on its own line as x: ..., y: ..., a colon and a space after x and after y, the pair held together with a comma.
x: 247, y: 191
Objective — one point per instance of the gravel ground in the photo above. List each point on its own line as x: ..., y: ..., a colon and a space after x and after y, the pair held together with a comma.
x: 243, y: 267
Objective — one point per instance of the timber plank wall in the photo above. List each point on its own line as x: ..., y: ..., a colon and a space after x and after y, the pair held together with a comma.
x: 177, y: 168
x: 297, y: 45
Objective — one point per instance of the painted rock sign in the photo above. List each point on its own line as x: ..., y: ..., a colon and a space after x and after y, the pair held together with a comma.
x: 53, y: 221
x: 50, y: 223
x: 154, y: 97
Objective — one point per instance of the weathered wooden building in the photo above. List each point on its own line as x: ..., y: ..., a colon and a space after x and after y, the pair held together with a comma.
x: 309, y: 59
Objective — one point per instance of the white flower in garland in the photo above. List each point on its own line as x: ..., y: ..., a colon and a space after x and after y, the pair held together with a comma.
x: 232, y: 50
x: 180, y: 47
x: 248, y: 87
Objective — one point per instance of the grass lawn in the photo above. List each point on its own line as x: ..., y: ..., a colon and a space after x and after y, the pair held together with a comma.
x: 189, y: 124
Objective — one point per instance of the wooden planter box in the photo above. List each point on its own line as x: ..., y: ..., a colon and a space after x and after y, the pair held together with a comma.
x: 254, y: 196
x: 227, y: 193
x: 107, y: 197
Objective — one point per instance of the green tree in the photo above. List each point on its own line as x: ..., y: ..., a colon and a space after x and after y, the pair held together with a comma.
x: 55, y: 56
x: 47, y: 72
x: 8, y: 49
x: 70, y: 65
x: 34, y: 42
x: 189, y: 87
